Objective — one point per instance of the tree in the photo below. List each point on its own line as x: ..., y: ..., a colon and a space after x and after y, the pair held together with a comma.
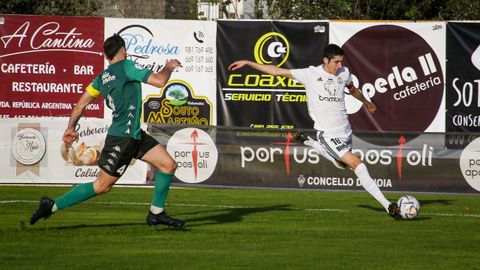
x: 284, y: 9
x: 51, y: 7
x: 460, y: 10
x: 373, y: 9
x: 16, y: 7
x: 307, y: 9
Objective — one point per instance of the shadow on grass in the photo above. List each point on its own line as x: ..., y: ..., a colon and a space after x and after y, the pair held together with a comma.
x: 105, y: 225
x: 422, y: 203
x: 24, y: 226
x: 369, y: 207
x: 220, y: 216
x: 440, y: 202
x: 382, y: 210
x: 231, y: 215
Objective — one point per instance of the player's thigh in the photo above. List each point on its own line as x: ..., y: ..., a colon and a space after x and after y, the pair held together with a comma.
x: 160, y: 159
x: 155, y: 154
x: 116, y: 155
x: 336, y: 145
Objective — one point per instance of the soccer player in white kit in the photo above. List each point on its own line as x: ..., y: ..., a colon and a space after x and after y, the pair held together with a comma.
x: 325, y: 86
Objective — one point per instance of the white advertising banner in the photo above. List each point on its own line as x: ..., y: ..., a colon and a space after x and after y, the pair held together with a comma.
x: 189, y: 97
x: 401, y: 68
x: 32, y: 151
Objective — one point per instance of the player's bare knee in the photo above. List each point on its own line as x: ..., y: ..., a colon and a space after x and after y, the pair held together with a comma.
x: 173, y: 167
x: 101, y: 189
x: 356, y: 164
x: 169, y: 167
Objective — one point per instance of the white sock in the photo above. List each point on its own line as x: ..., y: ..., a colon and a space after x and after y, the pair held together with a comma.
x: 317, y: 146
x: 369, y: 185
x: 54, y: 208
x: 155, y: 210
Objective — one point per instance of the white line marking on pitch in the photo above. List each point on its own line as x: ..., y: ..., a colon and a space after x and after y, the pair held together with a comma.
x: 239, y: 206
x: 190, y: 205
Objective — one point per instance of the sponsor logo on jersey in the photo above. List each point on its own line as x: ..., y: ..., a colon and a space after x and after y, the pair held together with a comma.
x: 330, y: 99
x: 107, y: 77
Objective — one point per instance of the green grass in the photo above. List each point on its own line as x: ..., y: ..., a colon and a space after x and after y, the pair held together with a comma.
x: 239, y: 229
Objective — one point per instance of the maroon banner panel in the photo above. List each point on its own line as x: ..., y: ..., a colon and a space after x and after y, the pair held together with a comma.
x: 272, y: 159
x: 47, y: 62
x: 402, y: 74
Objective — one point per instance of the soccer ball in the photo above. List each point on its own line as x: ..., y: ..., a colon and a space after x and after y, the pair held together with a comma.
x: 409, y: 206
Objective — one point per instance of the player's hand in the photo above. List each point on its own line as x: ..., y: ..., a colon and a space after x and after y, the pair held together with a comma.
x: 371, y: 107
x: 172, y: 64
x: 237, y: 64
x: 70, y: 136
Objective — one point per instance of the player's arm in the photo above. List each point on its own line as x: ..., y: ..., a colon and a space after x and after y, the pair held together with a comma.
x: 70, y: 134
x: 161, y: 78
x: 358, y: 95
x: 269, y: 69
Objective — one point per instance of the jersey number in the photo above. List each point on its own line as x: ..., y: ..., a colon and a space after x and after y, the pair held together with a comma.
x: 121, y: 170
x: 336, y: 141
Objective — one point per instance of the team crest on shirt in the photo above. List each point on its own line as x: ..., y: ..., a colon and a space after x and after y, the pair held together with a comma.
x: 339, y: 80
x: 331, y: 88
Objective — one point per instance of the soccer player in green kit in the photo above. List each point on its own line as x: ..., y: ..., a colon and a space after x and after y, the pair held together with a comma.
x: 120, y: 85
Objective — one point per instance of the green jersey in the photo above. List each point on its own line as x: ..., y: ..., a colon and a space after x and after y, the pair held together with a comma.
x: 120, y: 85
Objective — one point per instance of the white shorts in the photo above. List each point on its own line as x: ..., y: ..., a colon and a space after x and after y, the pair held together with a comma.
x: 337, y: 144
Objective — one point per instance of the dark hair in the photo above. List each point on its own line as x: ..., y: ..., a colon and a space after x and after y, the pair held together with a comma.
x: 331, y: 51
x: 112, y: 45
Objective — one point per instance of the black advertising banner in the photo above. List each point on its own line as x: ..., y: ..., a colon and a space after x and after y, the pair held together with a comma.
x: 249, y: 98
x: 463, y: 77
x: 245, y: 157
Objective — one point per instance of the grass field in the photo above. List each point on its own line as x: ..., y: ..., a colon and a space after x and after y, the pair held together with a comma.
x: 239, y: 229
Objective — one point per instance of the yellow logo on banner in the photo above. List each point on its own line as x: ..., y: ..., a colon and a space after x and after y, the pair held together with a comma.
x: 278, y: 47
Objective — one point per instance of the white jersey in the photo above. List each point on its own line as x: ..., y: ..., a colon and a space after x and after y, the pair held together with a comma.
x: 325, y: 97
